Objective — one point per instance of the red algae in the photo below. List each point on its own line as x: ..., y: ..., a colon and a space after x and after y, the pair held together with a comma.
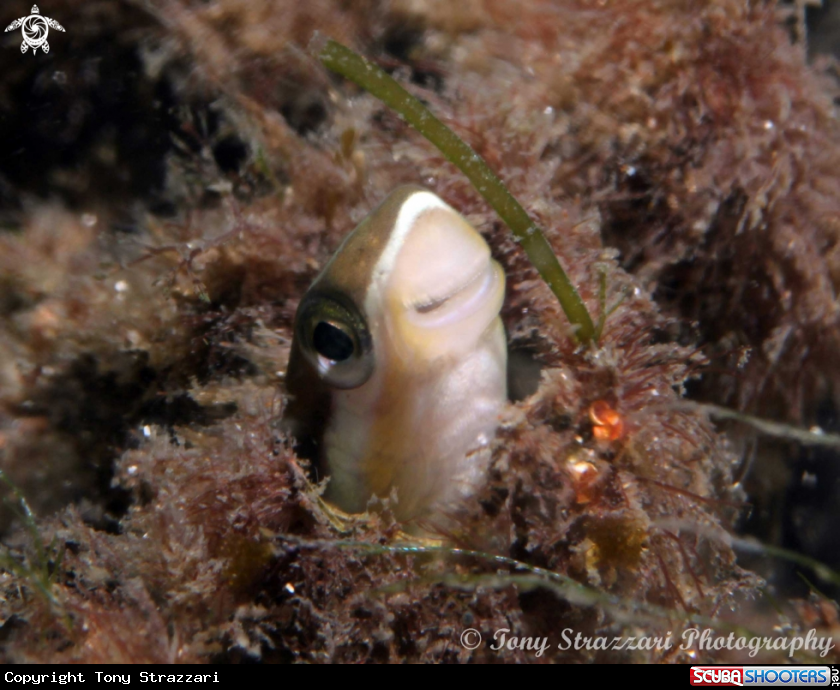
x: 682, y: 155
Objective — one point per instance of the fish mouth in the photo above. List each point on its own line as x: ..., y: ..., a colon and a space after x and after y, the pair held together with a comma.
x: 435, y: 303
x: 471, y: 296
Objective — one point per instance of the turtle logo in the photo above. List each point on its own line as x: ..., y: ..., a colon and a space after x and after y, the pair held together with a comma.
x: 35, y: 30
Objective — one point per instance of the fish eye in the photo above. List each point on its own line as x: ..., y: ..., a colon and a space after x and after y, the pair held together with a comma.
x: 335, y: 340
x: 330, y: 341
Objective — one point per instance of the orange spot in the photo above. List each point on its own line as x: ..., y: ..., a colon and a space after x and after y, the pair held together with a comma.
x: 608, y: 425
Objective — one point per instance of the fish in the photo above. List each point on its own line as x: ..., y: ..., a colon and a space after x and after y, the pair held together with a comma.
x: 397, y: 374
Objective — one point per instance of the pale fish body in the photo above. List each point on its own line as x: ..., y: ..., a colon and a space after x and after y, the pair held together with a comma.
x: 398, y: 368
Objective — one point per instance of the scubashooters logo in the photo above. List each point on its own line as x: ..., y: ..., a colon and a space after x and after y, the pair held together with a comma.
x: 739, y: 676
x: 35, y: 29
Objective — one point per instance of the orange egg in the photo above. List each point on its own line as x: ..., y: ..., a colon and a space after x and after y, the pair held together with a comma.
x: 608, y: 424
